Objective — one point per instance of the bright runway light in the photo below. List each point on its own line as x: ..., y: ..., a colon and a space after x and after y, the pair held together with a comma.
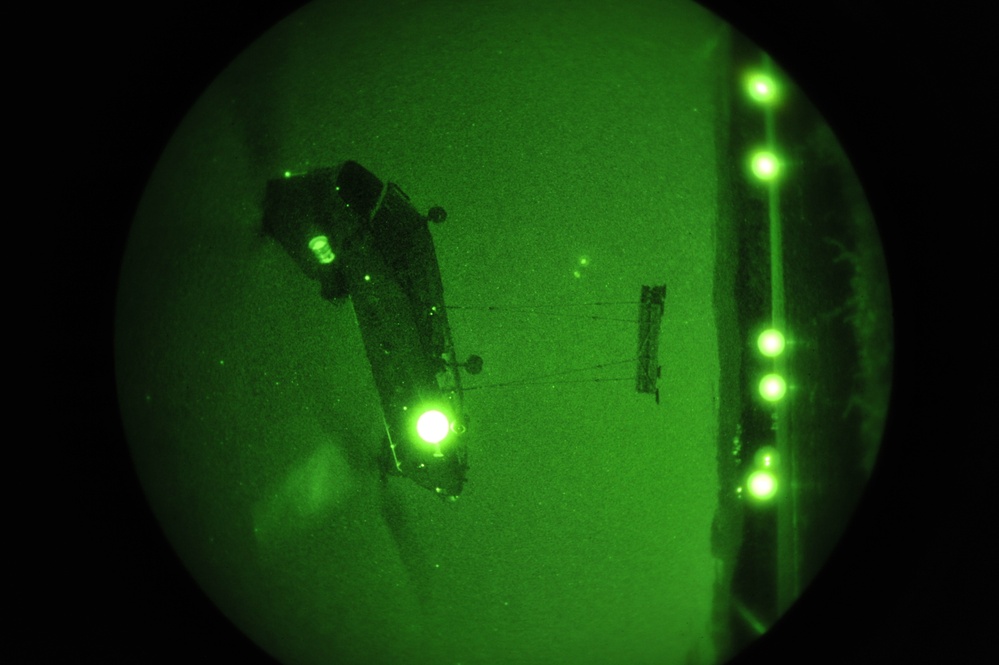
x: 770, y: 342
x: 765, y: 165
x: 761, y: 88
x: 772, y: 387
x: 762, y: 485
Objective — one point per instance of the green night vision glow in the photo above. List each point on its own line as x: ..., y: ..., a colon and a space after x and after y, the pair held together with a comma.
x: 772, y: 387
x: 432, y: 426
x: 320, y: 246
x: 303, y: 407
x: 766, y: 458
x: 770, y: 342
x: 762, y: 485
x: 761, y: 88
x: 765, y: 165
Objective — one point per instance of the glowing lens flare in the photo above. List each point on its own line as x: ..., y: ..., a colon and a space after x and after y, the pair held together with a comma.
x: 762, y: 485
x: 765, y: 165
x: 432, y: 426
x: 771, y: 343
x: 773, y: 387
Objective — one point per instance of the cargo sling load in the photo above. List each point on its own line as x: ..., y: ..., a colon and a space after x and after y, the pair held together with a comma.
x: 646, y: 359
x: 650, y: 315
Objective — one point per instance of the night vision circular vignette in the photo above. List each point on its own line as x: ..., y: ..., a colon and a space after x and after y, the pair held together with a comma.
x: 515, y: 339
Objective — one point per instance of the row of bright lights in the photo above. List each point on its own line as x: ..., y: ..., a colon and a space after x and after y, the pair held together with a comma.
x: 762, y: 482
x: 763, y: 90
x: 766, y: 166
x: 771, y: 344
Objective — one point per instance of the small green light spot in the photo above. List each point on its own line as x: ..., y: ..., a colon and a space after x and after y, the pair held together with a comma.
x: 772, y: 387
x: 367, y: 278
x: 770, y: 343
x: 766, y: 458
x: 765, y: 165
x: 577, y: 274
x: 584, y: 260
x: 320, y: 246
x: 287, y: 174
x: 222, y: 362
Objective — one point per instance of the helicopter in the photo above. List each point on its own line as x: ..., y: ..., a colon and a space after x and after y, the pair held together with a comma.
x: 362, y: 239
